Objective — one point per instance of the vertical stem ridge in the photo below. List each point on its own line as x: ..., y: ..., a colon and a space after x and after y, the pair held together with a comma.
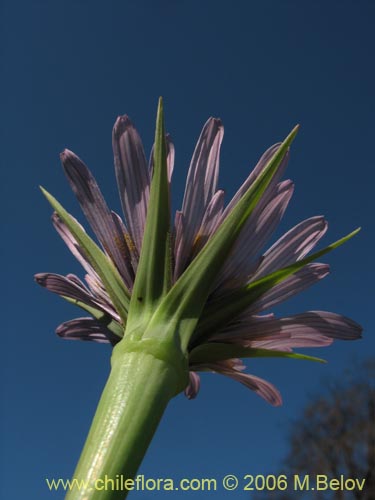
x: 133, y: 401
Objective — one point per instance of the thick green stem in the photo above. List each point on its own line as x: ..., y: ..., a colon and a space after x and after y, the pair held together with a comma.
x: 137, y: 392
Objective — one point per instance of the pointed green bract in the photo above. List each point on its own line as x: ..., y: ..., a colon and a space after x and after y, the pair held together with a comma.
x: 213, y: 352
x: 185, y: 301
x: 105, y: 269
x: 153, y: 278
x: 220, y: 312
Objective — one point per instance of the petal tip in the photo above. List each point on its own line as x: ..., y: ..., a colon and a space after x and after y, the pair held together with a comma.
x: 122, y: 124
x: 40, y: 278
x: 66, y: 155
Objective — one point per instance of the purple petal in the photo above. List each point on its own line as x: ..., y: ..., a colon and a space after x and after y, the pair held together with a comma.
x: 170, y: 158
x: 132, y: 175
x: 335, y: 326
x: 257, y: 230
x: 296, y: 340
x: 254, y: 174
x: 86, y: 329
x: 201, y: 185
x: 101, y: 296
x: 130, y: 253
x: 73, y: 288
x: 263, y: 388
x: 210, y: 221
x: 192, y: 389
x: 293, y: 285
x: 310, y: 329
x: 293, y: 246
x: 72, y: 243
x: 177, y: 240
x: 73, y: 278
x: 95, y: 209
x: 68, y: 286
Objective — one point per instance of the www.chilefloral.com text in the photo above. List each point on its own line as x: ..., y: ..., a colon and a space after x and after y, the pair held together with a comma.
x: 229, y: 482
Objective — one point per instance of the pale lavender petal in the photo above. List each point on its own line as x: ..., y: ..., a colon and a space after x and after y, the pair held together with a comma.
x: 254, y: 174
x: 63, y: 285
x: 201, y: 185
x: 233, y: 368
x: 177, y: 240
x: 133, y: 254
x: 210, y: 221
x: 261, y: 387
x: 305, y: 339
x: 256, y: 232
x: 74, y: 289
x: 96, y: 288
x: 264, y: 389
x: 95, y: 209
x: 310, y: 329
x: 73, y: 278
x: 86, y: 329
x: 133, y: 178
x: 192, y: 389
x: 293, y: 246
x: 293, y: 285
x: 101, y: 297
x: 72, y: 243
x: 170, y: 158
x: 231, y: 364
x: 128, y: 250
x: 335, y: 326
x: 248, y: 327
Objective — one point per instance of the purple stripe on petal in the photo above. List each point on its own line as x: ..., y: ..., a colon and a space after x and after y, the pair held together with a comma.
x: 76, y: 281
x: 97, y: 289
x: 75, y: 289
x: 62, y: 285
x: 335, y: 326
x: 72, y: 243
x: 210, y: 221
x: 192, y: 389
x: 201, y: 185
x: 264, y: 389
x: 255, y: 173
x: 231, y: 364
x: 267, y: 216
x: 170, y: 158
x: 310, y: 329
x: 95, y: 209
x: 133, y: 251
x: 101, y: 297
x: 177, y: 240
x: 257, y: 230
x: 133, y: 178
x: 128, y: 250
x: 293, y: 246
x: 86, y: 329
x: 295, y: 340
x: 249, y: 327
x: 298, y: 282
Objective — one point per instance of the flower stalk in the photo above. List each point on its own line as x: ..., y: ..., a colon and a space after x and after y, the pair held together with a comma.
x: 138, y: 390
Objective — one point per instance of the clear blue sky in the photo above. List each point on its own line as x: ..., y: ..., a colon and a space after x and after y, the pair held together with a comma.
x: 68, y: 69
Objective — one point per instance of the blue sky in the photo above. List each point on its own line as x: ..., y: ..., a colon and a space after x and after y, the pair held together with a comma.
x: 69, y: 69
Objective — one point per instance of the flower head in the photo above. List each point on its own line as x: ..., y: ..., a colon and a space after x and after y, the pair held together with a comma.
x: 208, y: 277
